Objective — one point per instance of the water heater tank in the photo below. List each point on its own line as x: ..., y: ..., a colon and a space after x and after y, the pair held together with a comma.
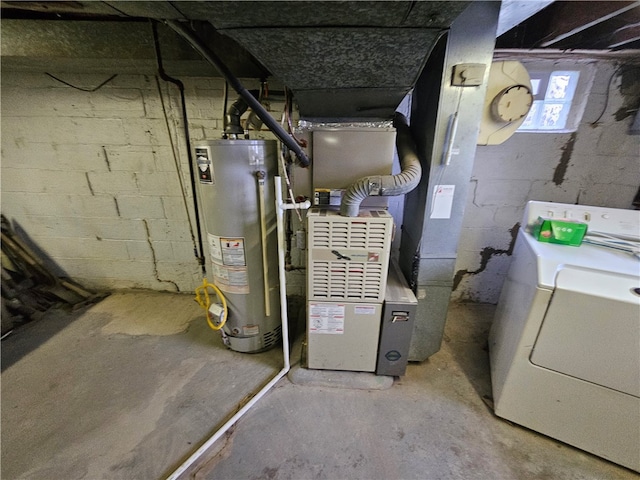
x: 236, y: 190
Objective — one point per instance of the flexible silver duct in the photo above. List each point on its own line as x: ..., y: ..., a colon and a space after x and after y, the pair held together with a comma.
x: 387, y: 185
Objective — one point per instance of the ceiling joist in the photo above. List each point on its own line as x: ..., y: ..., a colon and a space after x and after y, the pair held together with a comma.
x: 572, y: 18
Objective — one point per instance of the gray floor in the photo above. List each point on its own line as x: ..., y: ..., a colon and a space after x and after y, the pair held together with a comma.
x: 130, y: 387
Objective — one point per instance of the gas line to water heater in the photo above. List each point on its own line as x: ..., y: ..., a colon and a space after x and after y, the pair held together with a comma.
x: 205, y: 302
x: 280, y: 208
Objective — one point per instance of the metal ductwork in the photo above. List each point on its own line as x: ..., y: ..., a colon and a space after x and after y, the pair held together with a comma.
x: 342, y: 59
x: 387, y: 185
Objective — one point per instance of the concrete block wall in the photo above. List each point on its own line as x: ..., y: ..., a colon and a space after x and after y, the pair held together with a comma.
x: 596, y: 165
x: 100, y: 180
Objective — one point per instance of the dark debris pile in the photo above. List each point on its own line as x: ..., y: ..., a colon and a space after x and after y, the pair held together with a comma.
x: 29, y: 288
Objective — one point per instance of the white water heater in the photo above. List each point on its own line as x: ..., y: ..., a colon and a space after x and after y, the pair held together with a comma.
x: 236, y: 190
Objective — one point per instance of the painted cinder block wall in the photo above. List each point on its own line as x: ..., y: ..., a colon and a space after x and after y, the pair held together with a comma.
x: 599, y: 165
x: 100, y: 180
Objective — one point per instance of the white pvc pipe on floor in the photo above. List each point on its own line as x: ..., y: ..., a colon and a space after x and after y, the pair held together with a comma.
x: 280, y: 208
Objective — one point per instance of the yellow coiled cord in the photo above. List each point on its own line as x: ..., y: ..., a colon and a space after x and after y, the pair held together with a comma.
x: 202, y: 297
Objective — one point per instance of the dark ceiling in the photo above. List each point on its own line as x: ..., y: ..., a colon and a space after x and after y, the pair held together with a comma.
x: 601, y: 25
x: 363, y: 55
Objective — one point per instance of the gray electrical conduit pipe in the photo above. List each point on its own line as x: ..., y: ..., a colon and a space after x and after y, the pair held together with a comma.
x: 387, y: 185
x: 280, y: 208
x: 253, y: 103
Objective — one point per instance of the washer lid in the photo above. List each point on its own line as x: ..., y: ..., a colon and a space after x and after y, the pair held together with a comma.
x: 551, y: 258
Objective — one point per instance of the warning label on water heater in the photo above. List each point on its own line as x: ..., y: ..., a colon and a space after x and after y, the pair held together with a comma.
x: 214, y: 248
x: 231, y: 279
x: 232, y: 251
x: 229, y: 264
x: 326, y: 318
x: 227, y: 251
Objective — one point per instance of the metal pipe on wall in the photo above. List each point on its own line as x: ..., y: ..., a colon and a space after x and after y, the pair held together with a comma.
x: 199, y: 253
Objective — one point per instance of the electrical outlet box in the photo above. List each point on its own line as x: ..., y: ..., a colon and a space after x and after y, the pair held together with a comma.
x: 468, y: 74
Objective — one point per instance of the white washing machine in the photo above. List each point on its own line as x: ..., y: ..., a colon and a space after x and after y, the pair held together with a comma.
x: 565, y: 341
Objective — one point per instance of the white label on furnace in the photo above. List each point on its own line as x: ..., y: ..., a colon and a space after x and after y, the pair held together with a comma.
x: 326, y: 318
x: 214, y: 248
x: 365, y: 310
x: 232, y: 251
x: 442, y: 201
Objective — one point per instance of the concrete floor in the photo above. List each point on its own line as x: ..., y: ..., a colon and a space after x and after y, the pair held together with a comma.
x: 129, y: 388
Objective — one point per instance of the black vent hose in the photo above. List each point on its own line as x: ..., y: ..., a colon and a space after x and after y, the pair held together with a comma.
x: 252, y: 102
x: 387, y: 185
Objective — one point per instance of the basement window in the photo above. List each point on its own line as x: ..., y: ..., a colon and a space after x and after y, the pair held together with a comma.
x: 553, y: 102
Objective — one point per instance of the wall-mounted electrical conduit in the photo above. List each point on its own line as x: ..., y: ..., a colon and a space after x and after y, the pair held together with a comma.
x: 387, y: 185
x: 251, y: 101
x: 280, y: 208
x: 199, y: 251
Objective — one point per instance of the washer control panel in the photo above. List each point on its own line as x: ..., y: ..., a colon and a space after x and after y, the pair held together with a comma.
x: 614, y: 221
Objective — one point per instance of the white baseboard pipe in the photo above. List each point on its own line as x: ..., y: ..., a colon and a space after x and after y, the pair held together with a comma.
x: 280, y: 208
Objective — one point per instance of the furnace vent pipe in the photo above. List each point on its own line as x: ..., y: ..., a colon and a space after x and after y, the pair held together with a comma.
x: 252, y: 102
x: 387, y: 185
